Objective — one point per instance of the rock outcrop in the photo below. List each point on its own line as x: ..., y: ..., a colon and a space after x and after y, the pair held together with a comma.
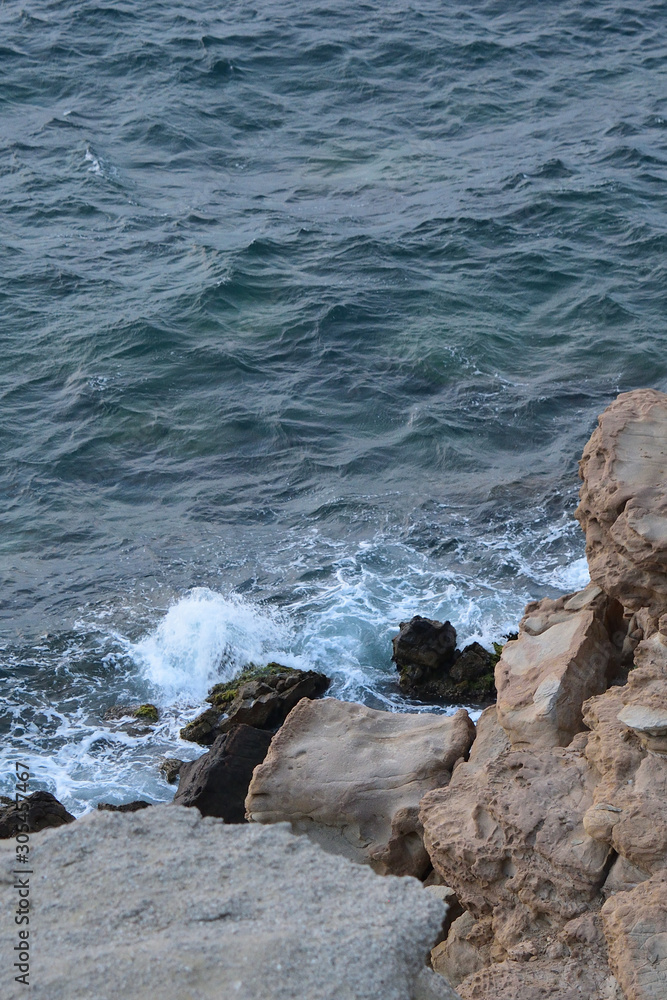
x: 217, y: 782
x: 507, y: 834
x: 261, y: 697
x: 623, y: 501
x: 431, y: 668
x: 163, y: 903
x: 635, y: 925
x: 352, y: 777
x: 39, y: 811
x: 567, y: 650
x: 626, y: 750
x: 554, y: 834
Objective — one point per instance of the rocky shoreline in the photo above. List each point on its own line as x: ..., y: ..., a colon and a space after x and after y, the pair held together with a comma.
x: 536, y: 841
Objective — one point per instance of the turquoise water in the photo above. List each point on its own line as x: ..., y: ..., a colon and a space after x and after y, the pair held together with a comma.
x: 305, y: 316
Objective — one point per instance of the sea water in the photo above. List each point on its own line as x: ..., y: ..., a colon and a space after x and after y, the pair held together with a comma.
x: 306, y: 313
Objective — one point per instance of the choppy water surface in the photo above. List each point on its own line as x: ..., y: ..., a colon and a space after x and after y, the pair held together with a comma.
x: 305, y: 315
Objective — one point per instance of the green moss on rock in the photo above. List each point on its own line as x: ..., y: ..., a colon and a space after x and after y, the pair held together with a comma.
x: 147, y: 712
x: 224, y: 694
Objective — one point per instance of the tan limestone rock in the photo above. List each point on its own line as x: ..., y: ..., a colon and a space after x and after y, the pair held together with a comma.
x: 627, y: 750
x: 466, y: 949
x: 623, y: 501
x: 543, y: 979
x: 352, y: 778
x: 564, y: 654
x: 507, y: 834
x: 635, y: 925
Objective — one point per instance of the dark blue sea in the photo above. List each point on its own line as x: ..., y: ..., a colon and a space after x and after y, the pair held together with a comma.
x: 306, y: 313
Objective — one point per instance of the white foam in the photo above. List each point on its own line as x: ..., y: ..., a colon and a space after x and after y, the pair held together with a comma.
x: 95, y: 167
x: 573, y: 576
x: 205, y: 638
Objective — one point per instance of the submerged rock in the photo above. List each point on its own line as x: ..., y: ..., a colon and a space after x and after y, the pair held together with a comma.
x: 217, y: 782
x: 261, y: 697
x: 145, y: 713
x: 352, y: 777
x: 431, y: 668
x: 171, y: 905
x: 39, y: 811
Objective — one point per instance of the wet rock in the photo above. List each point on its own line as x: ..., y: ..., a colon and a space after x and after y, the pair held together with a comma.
x: 431, y: 668
x: 174, y: 906
x: 623, y: 501
x: 204, y: 728
x: 563, y: 655
x: 145, y: 713
x: 258, y: 697
x: 352, y: 777
x: 170, y: 767
x: 217, y: 782
x: 127, y: 807
x: 39, y: 811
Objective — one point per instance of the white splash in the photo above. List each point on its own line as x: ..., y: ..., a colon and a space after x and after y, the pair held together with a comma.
x: 205, y: 638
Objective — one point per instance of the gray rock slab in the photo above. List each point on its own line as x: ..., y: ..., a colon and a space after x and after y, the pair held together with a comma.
x: 164, y: 903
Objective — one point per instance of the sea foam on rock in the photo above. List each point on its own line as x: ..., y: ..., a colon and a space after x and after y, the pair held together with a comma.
x: 163, y: 903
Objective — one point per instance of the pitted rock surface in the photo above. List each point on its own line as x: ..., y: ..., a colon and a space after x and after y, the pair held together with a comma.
x: 635, y: 925
x: 163, y: 903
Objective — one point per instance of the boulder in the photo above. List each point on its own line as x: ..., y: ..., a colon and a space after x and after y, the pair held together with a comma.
x: 423, y: 648
x: 635, y: 925
x: 563, y: 655
x: 352, y: 777
x: 261, y: 697
x: 163, y: 903
x: 431, y: 668
x: 217, y: 783
x: 623, y: 501
x: 39, y: 811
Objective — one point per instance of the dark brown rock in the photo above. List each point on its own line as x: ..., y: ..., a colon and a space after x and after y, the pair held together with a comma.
x: 203, y: 729
x: 170, y: 767
x: 39, y: 811
x: 259, y: 697
x: 127, y: 807
x: 431, y: 668
x: 217, y: 782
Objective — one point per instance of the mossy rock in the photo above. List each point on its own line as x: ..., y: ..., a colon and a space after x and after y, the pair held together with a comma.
x: 147, y: 712
x: 224, y: 694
